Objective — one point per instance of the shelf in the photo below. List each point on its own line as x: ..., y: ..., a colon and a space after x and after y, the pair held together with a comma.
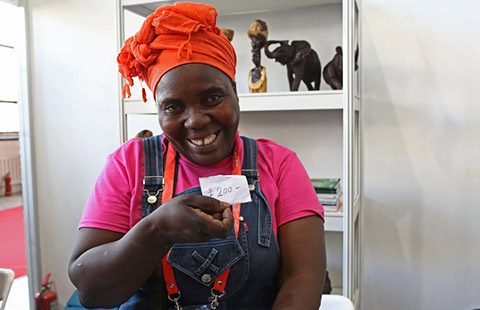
x: 333, y: 221
x: 291, y: 101
x: 278, y: 101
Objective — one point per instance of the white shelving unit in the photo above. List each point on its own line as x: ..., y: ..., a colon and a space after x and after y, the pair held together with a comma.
x: 322, y: 127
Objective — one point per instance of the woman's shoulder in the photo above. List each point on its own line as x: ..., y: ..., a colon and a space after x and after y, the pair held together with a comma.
x: 131, y: 149
x: 274, y: 157
x: 129, y: 154
x: 272, y: 149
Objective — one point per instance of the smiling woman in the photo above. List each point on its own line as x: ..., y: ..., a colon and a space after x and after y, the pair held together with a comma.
x: 201, y: 124
x: 148, y: 239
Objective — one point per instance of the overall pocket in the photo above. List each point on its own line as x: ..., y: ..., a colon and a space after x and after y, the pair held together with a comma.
x: 204, y: 263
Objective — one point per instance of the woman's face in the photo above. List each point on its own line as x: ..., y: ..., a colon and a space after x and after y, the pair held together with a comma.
x: 198, y: 111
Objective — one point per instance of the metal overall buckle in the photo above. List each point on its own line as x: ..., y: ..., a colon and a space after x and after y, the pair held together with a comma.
x: 151, y: 199
x: 215, y: 302
x: 251, y: 187
x: 175, y: 300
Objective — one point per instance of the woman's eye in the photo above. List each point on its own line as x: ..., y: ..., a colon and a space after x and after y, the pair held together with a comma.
x: 171, y: 108
x: 214, y: 99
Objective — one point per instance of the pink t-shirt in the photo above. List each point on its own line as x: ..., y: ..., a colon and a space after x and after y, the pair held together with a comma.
x: 115, y: 203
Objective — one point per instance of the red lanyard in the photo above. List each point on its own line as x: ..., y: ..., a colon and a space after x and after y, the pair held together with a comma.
x: 169, y: 177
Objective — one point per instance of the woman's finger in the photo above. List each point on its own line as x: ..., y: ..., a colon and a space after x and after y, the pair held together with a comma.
x: 206, y: 204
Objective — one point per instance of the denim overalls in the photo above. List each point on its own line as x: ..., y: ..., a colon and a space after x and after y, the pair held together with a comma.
x: 253, y: 258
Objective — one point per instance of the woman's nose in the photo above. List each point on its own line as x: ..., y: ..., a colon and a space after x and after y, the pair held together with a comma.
x: 196, y: 119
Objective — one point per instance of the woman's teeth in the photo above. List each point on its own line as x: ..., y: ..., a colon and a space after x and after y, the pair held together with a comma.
x: 205, y: 141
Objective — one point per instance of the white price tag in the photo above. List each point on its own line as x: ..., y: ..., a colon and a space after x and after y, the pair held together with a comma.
x: 230, y: 188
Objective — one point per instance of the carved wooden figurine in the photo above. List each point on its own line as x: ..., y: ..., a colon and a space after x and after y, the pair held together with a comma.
x: 257, y: 77
x: 333, y: 71
x: 301, y: 60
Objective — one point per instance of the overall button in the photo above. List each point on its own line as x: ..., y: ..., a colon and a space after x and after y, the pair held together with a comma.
x: 206, y: 278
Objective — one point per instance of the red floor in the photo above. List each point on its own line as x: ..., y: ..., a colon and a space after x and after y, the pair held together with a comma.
x: 12, y: 241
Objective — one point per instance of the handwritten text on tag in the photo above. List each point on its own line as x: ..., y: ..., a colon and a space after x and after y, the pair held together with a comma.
x: 230, y: 188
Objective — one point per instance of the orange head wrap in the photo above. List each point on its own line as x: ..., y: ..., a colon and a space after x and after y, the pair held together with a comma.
x: 172, y: 36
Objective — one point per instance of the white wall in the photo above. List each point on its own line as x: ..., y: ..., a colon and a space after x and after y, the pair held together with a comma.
x: 75, y: 116
x: 421, y: 121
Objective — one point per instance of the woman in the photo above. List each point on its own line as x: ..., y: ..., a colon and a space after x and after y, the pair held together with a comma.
x: 147, y: 233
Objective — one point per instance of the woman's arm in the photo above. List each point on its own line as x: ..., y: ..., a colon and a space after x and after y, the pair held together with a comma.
x: 303, y: 264
x: 108, y: 267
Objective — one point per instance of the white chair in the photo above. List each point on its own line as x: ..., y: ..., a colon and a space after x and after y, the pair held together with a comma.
x: 6, y: 280
x: 336, y: 302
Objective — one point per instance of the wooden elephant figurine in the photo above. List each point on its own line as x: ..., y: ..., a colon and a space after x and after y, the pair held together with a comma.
x: 301, y: 60
x: 333, y: 71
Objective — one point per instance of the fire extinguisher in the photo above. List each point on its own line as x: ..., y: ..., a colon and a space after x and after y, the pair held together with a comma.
x: 8, y: 184
x: 46, y: 299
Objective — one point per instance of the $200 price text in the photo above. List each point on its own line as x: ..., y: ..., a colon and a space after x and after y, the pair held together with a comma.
x: 229, y: 188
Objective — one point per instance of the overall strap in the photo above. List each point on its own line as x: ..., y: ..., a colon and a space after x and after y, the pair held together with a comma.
x: 153, y: 187
x: 153, y: 180
x: 249, y: 169
x: 249, y: 166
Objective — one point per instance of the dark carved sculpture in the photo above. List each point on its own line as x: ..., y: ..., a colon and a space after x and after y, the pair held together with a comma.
x: 301, y: 60
x: 333, y: 71
x: 327, y: 287
x: 356, y: 58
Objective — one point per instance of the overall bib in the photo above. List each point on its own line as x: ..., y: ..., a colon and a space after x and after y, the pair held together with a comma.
x: 253, y: 257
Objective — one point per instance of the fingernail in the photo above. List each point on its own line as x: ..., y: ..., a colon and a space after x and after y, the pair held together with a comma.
x: 225, y: 204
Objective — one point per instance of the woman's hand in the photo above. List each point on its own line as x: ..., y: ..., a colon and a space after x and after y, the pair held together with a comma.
x: 107, y: 267
x: 192, y: 218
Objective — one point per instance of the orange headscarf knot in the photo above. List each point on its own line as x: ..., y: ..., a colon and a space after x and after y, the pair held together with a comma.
x: 187, y: 47
x: 172, y: 36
